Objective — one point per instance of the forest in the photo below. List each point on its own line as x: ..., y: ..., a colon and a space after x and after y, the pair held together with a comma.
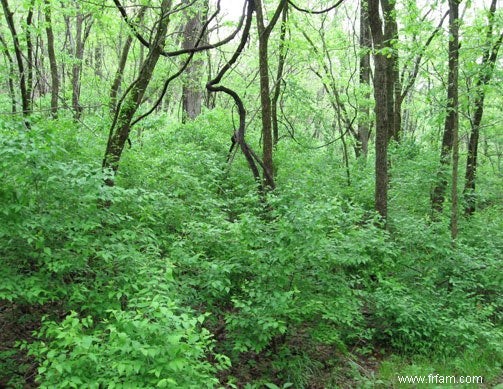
x: 251, y: 194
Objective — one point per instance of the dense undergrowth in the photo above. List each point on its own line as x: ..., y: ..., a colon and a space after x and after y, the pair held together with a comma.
x: 188, y: 281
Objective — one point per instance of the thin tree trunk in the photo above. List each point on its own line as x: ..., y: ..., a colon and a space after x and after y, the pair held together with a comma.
x: 265, y: 98
x: 82, y: 31
x: 120, y: 129
x: 485, y: 74
x: 98, y: 60
x: 77, y: 66
x: 114, y: 90
x: 279, y: 76
x: 393, y: 91
x: 29, y: 53
x: 52, y: 61
x: 238, y: 138
x: 10, y: 80
x: 451, y: 120
x: 361, y: 147
x: 25, y: 100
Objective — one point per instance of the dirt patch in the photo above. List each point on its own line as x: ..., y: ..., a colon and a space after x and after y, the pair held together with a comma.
x: 17, y: 324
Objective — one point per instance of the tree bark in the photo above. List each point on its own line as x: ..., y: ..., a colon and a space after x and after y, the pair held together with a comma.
x: 120, y: 129
x: 29, y: 53
x: 454, y: 120
x: 363, y: 134
x: 238, y: 138
x: 393, y: 91
x: 25, y: 99
x: 451, y: 120
x: 279, y: 76
x: 484, y: 77
x: 265, y: 98
x: 114, y: 90
x: 82, y: 31
x: 77, y: 66
x: 381, y: 109
x: 52, y: 60
x: 10, y: 80
x: 192, y: 92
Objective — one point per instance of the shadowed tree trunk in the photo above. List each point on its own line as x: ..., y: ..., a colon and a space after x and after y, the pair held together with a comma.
x: 238, y: 138
x: 98, y: 60
x: 489, y: 58
x: 393, y: 89
x: 264, y: 33
x: 451, y: 120
x: 81, y: 35
x: 25, y: 98
x: 83, y: 24
x: 29, y: 54
x: 52, y: 60
x: 363, y: 133
x: 10, y: 80
x: 119, y: 131
x: 279, y: 76
x: 114, y: 90
x: 381, y: 109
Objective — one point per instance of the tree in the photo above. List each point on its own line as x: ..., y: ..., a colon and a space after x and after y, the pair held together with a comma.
x: 483, y: 78
x: 363, y: 133
x: 52, y: 60
x: 11, y: 78
x: 264, y: 32
x: 83, y: 24
x: 449, y: 139
x: 382, y: 88
x: 25, y: 91
x: 238, y: 138
x: 133, y: 95
x: 119, y: 131
x: 114, y: 90
x: 29, y: 52
x: 192, y: 93
x: 282, y: 52
x: 393, y: 87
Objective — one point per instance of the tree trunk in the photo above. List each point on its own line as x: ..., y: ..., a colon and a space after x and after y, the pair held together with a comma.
x: 77, y: 66
x: 484, y: 77
x: 451, y: 120
x: 192, y: 91
x: 381, y: 109
x: 25, y: 99
x: 279, y: 76
x: 265, y: 98
x: 114, y: 90
x: 10, y: 80
x: 98, y: 60
x: 52, y: 61
x: 29, y: 54
x: 120, y: 129
x: 393, y: 91
x: 82, y: 31
x: 361, y: 148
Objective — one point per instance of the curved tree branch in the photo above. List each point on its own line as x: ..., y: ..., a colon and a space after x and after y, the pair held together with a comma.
x: 212, y: 85
x: 176, y: 53
x: 315, y: 12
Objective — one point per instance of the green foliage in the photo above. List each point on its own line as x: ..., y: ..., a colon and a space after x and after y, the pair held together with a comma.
x: 60, y: 245
x: 293, y: 290
x: 148, y: 345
